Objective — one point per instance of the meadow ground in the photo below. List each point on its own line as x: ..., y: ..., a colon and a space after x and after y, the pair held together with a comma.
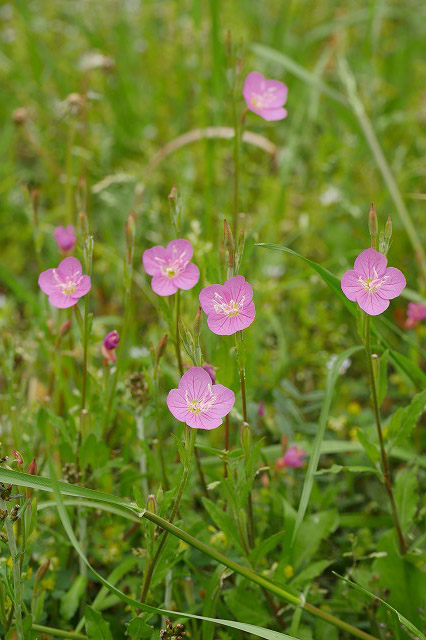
x: 299, y: 507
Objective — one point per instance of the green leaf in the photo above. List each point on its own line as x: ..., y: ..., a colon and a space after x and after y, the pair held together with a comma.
x: 71, y: 599
x: 266, y: 546
x: 223, y: 521
x: 370, y: 448
x: 404, y: 420
x: 403, y: 620
x: 315, y: 528
x: 406, y: 495
x: 137, y: 628
x: 96, y: 627
x: 310, y: 573
x: 319, y: 437
x: 337, y: 468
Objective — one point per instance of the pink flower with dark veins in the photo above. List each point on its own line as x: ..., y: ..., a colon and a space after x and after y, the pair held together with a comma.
x: 416, y: 314
x: 371, y: 283
x: 198, y: 402
x: 229, y: 307
x: 265, y: 97
x: 65, y: 238
x: 293, y: 458
x: 66, y: 284
x: 171, y: 267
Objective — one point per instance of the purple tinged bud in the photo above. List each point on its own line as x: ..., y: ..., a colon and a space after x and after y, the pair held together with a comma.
x: 151, y: 504
x: 261, y: 409
x: 161, y: 348
x: 65, y: 238
x: 198, y: 322
x: 111, y: 340
x: 210, y: 370
x: 388, y: 229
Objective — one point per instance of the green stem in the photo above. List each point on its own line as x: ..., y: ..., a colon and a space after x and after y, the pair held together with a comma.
x: 251, y: 575
x: 237, y: 144
x: 178, y: 351
x: 85, y: 348
x: 69, y: 176
x: 17, y: 587
x: 384, y: 458
x: 160, y: 433
x: 190, y: 435
x: 57, y: 632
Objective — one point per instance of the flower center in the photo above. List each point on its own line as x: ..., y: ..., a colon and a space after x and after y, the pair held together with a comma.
x: 231, y: 309
x: 372, y: 284
x: 257, y: 101
x: 173, y: 266
x: 202, y: 404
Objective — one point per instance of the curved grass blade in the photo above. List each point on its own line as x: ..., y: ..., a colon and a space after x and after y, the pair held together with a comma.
x: 26, y: 480
x: 268, y: 634
x: 403, y: 620
x: 316, y: 449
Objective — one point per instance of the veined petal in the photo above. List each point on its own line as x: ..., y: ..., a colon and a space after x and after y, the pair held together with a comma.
x: 372, y: 303
x: 370, y: 264
x: 153, y: 259
x: 188, y: 278
x: 393, y: 284
x: 351, y: 286
x: 163, y: 286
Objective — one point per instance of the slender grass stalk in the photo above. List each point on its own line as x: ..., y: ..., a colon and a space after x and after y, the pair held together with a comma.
x: 177, y: 341
x: 17, y: 586
x: 237, y: 145
x: 164, y: 477
x: 383, y: 455
x: 242, y: 373
x: 50, y: 631
x: 69, y: 191
x: 190, y: 435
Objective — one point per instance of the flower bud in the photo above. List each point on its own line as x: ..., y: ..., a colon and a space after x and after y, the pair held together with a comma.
x: 41, y: 571
x: 20, y: 116
x: 32, y: 467
x: 388, y: 229
x: 198, y: 322
x: 373, y: 225
x: 161, y: 348
x: 173, y: 193
x: 228, y: 236
x: 246, y: 439
x: 18, y: 457
x: 64, y: 328
x: 376, y: 366
x: 151, y: 504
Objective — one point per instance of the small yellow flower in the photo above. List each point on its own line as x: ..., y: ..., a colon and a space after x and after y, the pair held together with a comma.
x: 354, y: 408
x: 183, y: 546
x: 288, y: 571
x: 218, y: 539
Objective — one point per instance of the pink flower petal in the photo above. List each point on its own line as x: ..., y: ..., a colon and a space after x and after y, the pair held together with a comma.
x: 221, y: 324
x: 272, y: 114
x: 277, y: 93
x: 188, y: 278
x: 395, y: 282
x: 62, y: 301
x: 180, y: 247
x: 209, y: 295
x: 163, y: 286
x: 153, y: 258
x: 70, y: 268
x: 351, y: 285
x: 254, y: 83
x: 177, y: 405
x: 225, y: 400
x: 238, y: 289
x: 194, y: 381
x: 83, y: 286
x: 372, y: 303
x: 48, y: 281
x: 370, y: 264
x: 202, y: 421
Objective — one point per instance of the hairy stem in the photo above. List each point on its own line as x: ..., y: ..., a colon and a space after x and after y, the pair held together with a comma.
x: 383, y: 455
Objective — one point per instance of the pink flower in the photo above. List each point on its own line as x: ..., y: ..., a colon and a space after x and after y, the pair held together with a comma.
x: 371, y: 284
x: 18, y: 457
x: 416, y: 313
x: 293, y: 458
x: 198, y: 402
x: 171, y: 267
x: 66, y: 284
x: 109, y: 345
x: 65, y: 238
x: 265, y: 97
x: 229, y: 308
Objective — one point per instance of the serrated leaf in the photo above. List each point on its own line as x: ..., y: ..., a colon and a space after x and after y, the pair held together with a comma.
x: 404, y: 420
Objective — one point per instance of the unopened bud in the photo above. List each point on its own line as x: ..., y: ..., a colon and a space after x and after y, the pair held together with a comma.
x: 373, y: 225
x: 161, y: 348
x: 20, y: 116
x: 41, y: 571
x: 130, y: 228
x: 246, y: 439
x: 228, y: 236
x: 65, y: 328
x: 198, y: 322
x: 84, y: 223
x: 151, y: 504
x: 376, y: 366
x: 388, y: 229
x: 173, y: 193
x: 32, y: 467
